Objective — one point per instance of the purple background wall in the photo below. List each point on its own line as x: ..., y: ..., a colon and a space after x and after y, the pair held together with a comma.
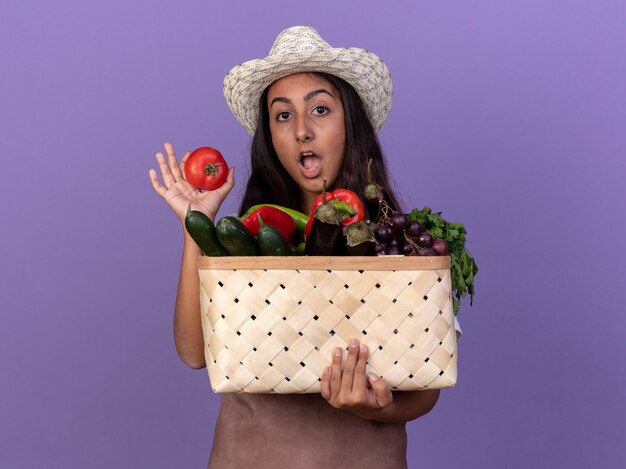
x: 508, y: 116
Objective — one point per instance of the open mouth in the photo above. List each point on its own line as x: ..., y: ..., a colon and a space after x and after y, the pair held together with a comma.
x: 310, y: 164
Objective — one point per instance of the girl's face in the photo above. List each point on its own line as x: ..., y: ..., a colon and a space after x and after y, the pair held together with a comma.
x: 308, y: 131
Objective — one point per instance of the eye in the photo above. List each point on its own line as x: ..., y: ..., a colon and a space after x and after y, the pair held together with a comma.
x: 320, y: 110
x: 283, y: 116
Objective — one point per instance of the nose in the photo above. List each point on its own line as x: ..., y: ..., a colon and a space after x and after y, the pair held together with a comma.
x: 304, y: 132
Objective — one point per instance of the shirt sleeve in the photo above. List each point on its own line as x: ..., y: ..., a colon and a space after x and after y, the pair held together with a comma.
x: 457, y: 327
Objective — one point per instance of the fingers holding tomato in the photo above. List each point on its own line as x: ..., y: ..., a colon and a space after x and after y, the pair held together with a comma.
x: 205, y: 169
x: 177, y: 188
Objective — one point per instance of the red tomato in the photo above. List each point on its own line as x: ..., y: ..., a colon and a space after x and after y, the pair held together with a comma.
x: 206, y: 169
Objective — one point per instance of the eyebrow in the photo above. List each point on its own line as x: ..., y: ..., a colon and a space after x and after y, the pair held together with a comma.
x: 307, y: 97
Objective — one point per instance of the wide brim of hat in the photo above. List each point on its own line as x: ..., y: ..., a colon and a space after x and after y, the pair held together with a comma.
x: 365, y: 71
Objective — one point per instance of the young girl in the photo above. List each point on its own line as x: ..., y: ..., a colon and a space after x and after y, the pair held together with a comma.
x: 314, y: 112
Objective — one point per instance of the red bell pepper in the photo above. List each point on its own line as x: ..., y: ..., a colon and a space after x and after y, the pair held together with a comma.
x: 273, y: 217
x: 349, y: 199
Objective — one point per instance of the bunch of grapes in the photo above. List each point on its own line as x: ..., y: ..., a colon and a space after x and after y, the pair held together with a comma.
x: 397, y: 235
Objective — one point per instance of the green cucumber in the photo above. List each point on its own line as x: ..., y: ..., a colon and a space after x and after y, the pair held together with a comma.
x: 271, y: 242
x: 235, y: 237
x: 202, y: 231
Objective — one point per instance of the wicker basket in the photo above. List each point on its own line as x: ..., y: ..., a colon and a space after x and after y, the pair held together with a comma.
x: 271, y: 323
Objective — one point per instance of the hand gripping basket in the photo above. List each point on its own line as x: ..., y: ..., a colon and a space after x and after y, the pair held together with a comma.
x: 270, y: 324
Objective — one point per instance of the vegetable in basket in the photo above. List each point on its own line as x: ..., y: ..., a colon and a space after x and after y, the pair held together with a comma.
x: 272, y: 216
x: 299, y: 218
x: 235, y: 237
x: 203, y: 232
x: 271, y: 242
x: 348, y: 203
x: 360, y: 239
x: 324, y: 227
x: 373, y: 193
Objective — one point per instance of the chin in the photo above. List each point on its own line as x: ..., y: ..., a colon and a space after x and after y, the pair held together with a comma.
x: 311, y: 185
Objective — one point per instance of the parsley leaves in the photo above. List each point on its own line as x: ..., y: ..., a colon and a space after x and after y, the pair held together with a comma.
x: 463, y: 267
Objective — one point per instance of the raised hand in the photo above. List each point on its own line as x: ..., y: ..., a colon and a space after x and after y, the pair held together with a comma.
x: 177, y: 191
x: 351, y: 388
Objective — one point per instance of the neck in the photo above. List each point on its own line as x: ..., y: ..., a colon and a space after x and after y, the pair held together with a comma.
x: 307, y: 201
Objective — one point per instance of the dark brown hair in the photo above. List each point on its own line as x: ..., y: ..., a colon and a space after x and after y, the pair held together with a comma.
x: 269, y: 182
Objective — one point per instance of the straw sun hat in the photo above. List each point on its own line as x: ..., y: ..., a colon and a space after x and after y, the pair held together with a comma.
x: 301, y: 49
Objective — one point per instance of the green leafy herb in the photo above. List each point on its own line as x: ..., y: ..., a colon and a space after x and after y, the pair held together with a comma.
x: 463, y: 267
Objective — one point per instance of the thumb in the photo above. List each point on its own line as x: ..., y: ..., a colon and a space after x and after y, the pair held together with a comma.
x: 225, y: 188
x: 382, y: 393
x: 229, y: 183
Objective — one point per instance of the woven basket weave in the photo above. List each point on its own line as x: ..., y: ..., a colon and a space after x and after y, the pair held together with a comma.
x: 270, y: 324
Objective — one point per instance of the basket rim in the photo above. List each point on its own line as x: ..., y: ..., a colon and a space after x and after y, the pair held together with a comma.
x: 324, y: 262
